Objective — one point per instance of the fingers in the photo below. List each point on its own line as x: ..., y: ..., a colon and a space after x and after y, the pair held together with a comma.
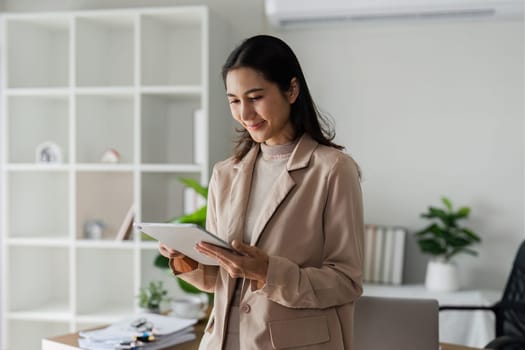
x: 168, y: 252
x: 251, y: 263
x: 212, y: 250
x: 243, y: 248
x: 229, y: 261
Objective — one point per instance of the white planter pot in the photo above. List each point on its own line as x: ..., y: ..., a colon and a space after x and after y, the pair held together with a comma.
x: 442, y: 276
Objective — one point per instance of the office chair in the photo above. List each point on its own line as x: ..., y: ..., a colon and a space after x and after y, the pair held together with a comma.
x: 509, y: 312
x: 395, y: 324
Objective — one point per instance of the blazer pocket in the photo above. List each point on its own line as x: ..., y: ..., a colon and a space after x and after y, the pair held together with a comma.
x: 286, y: 334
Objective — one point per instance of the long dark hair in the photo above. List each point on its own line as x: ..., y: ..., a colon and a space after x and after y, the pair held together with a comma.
x: 276, y: 61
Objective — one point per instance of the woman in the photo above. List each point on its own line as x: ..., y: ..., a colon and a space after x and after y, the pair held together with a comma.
x: 290, y: 203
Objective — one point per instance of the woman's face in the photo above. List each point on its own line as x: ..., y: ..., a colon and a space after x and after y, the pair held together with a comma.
x: 260, y: 106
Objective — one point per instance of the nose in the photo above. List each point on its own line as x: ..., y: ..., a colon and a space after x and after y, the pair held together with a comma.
x: 247, y: 111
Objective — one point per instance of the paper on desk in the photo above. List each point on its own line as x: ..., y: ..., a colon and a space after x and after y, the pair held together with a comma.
x: 123, y: 331
x: 161, y: 342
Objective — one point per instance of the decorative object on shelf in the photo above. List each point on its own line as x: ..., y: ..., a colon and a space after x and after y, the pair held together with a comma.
x: 93, y: 229
x: 197, y: 217
x: 110, y: 155
x: 48, y: 152
x: 190, y: 306
x: 152, y: 296
x: 124, y: 231
x: 444, y: 239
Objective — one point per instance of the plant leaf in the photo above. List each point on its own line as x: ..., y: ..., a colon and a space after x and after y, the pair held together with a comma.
x: 431, y: 246
x: 438, y: 213
x: 447, y: 203
x: 195, y: 185
x: 474, y: 237
x: 197, y: 217
x: 426, y: 230
x: 185, y: 286
x: 463, y: 212
x: 161, y: 262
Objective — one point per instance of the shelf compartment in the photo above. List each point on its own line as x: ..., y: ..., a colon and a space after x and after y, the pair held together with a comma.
x: 171, y: 48
x: 39, y: 242
x: 45, y: 267
x: 149, y: 272
x: 38, y: 119
x: 37, y: 52
x: 163, y: 195
x: 104, y: 122
x: 105, y: 285
x: 54, y: 311
x: 100, y: 244
x: 28, y: 335
x: 105, y: 50
x: 169, y: 126
x: 38, y: 204
x: 104, y: 196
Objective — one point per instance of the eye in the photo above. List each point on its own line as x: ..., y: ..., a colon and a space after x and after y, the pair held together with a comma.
x: 233, y: 101
x: 254, y: 98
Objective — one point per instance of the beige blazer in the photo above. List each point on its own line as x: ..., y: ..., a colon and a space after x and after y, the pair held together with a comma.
x: 312, y: 230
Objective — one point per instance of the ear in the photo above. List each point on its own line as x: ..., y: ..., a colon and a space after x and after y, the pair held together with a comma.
x: 293, y: 93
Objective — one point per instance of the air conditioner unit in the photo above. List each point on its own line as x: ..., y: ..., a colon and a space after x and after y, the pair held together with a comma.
x: 290, y: 12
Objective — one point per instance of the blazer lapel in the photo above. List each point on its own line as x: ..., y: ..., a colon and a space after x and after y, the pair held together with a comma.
x: 282, y: 186
x: 299, y: 159
x: 239, y: 194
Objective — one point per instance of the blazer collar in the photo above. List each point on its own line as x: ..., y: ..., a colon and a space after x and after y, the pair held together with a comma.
x: 240, y: 189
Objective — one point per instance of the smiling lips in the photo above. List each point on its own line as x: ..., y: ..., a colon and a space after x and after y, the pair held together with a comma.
x: 255, y: 126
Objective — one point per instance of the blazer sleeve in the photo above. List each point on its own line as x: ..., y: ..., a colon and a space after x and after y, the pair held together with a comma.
x: 204, y: 276
x: 339, y: 279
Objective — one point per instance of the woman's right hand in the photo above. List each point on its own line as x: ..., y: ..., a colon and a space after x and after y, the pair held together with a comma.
x: 168, y: 252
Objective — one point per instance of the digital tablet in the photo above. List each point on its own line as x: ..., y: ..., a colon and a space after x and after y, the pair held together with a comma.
x: 183, y: 237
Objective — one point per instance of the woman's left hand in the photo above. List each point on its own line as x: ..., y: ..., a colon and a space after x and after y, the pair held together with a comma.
x: 250, y: 262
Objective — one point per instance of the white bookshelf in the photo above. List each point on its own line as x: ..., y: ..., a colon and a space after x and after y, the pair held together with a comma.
x: 129, y: 80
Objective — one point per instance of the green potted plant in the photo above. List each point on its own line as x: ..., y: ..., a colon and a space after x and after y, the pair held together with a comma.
x: 152, y: 296
x: 197, y: 217
x: 443, y: 239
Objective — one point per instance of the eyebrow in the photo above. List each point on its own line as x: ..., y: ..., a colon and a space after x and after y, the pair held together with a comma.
x: 246, y: 92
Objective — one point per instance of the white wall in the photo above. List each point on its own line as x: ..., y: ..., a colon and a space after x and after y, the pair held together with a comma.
x: 427, y: 108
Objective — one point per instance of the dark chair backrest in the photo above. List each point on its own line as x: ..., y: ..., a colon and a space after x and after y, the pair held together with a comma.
x: 510, y: 311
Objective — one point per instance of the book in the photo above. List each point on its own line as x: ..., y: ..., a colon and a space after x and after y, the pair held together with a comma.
x: 369, y: 252
x: 388, y: 256
x: 399, y: 255
x: 378, y: 254
x: 125, y: 227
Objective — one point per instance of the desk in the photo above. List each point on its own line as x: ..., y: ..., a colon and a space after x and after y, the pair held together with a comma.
x: 469, y: 328
x: 70, y: 342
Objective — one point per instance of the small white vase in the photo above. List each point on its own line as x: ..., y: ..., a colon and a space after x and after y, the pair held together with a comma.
x: 442, y: 276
